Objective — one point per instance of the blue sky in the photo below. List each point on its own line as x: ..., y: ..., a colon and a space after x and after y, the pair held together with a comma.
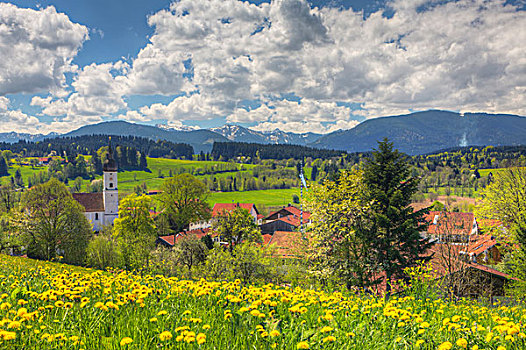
x: 289, y: 64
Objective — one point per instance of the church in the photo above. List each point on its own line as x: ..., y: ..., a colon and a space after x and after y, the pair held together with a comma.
x: 102, y: 208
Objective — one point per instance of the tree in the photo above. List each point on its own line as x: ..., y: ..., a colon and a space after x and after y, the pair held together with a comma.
x: 236, y: 226
x: 314, y: 173
x: 191, y: 251
x: 504, y: 199
x: 135, y: 231
x: 8, y: 197
x: 103, y: 251
x: 183, y: 200
x: 4, y: 168
x: 341, y: 239
x: 55, y: 223
x: 395, y: 226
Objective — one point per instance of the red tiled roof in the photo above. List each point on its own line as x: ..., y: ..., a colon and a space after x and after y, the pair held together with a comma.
x: 172, y: 239
x: 285, y: 242
x: 266, y: 239
x: 92, y: 202
x: 222, y: 207
x: 290, y: 210
x: 491, y: 271
x: 479, y: 244
x: 449, y: 223
x: 293, y: 220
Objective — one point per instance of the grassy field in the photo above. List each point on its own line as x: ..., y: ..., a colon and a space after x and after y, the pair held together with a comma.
x: 269, y: 198
x: 53, y: 306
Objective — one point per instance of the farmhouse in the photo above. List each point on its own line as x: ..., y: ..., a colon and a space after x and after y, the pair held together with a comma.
x: 450, y: 226
x: 219, y: 208
x: 285, y: 219
x: 102, y: 209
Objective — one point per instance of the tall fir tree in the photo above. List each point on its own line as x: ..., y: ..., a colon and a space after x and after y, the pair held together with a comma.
x: 397, y: 227
x: 4, y: 168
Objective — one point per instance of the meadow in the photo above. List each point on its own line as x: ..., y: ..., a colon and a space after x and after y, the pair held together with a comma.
x: 53, y: 306
x: 128, y: 180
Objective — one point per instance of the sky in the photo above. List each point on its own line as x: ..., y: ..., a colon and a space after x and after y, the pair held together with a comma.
x: 297, y: 65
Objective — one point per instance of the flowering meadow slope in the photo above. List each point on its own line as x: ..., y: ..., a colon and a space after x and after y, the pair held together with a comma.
x: 53, y: 306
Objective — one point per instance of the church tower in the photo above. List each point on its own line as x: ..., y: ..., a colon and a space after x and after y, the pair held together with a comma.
x: 110, y: 192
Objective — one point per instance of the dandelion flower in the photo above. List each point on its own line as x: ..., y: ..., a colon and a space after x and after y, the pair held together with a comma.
x: 463, y: 343
x: 166, y: 335
x: 303, y: 345
x: 126, y: 340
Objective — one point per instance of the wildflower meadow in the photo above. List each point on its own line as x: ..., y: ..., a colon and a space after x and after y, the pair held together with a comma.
x: 55, y: 306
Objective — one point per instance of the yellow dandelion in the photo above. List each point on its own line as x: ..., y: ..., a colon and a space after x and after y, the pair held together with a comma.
x: 303, y: 345
x: 166, y: 335
x: 126, y: 340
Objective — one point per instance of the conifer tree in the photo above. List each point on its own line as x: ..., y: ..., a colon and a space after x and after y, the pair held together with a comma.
x: 389, y: 185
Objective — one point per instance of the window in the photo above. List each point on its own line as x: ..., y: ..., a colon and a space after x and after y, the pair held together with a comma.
x: 96, y: 216
x: 111, y: 184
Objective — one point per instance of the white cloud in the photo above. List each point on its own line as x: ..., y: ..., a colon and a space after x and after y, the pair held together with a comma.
x: 37, y: 48
x: 463, y: 55
x: 98, y: 91
x: 456, y: 55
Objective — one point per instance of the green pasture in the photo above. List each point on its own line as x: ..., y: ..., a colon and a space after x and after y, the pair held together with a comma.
x: 268, y: 198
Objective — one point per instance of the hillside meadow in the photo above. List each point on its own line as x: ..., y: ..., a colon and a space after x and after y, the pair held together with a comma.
x: 54, y: 306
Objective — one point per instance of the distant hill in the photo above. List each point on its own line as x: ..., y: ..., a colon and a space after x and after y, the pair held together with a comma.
x: 416, y: 133
x: 425, y: 132
x: 12, y: 137
x: 240, y: 134
x: 200, y: 140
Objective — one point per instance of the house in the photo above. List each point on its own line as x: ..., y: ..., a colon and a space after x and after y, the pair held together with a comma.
x: 450, y: 227
x: 287, y: 244
x: 44, y: 160
x: 170, y: 240
x: 286, y: 219
x: 482, y: 249
x: 465, y: 277
x: 102, y: 208
x: 220, y: 208
x: 287, y: 211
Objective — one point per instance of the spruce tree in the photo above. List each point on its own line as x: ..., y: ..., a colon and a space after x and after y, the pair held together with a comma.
x: 4, y: 168
x: 396, y: 227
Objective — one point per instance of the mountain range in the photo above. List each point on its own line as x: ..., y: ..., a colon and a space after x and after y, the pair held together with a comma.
x: 416, y: 133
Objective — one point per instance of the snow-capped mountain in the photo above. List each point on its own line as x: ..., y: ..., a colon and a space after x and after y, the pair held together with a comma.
x: 12, y: 137
x: 241, y: 134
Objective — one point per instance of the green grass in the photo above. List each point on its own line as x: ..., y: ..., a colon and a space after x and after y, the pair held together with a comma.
x: 268, y: 198
x: 54, y: 306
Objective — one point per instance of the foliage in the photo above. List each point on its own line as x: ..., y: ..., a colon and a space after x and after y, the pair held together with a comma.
x: 135, y: 231
x: 395, y: 227
x: 231, y: 150
x: 342, y: 243
x: 103, y: 251
x: 505, y: 198
x: 54, y: 223
x: 183, y: 200
x: 236, y: 226
x: 190, y: 252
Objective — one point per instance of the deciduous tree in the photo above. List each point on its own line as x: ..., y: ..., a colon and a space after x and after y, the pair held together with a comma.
x: 55, y: 223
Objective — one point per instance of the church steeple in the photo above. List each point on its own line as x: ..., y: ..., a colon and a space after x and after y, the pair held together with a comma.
x: 110, y: 192
x: 109, y: 164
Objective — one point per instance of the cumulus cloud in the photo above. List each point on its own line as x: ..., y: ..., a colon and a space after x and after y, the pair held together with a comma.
x: 23, y: 122
x: 98, y: 91
x: 37, y: 48
x: 458, y: 55
x: 216, y: 55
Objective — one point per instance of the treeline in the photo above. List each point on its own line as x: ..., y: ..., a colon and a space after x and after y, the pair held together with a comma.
x: 90, y: 143
x: 475, y: 157
x: 256, y: 151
